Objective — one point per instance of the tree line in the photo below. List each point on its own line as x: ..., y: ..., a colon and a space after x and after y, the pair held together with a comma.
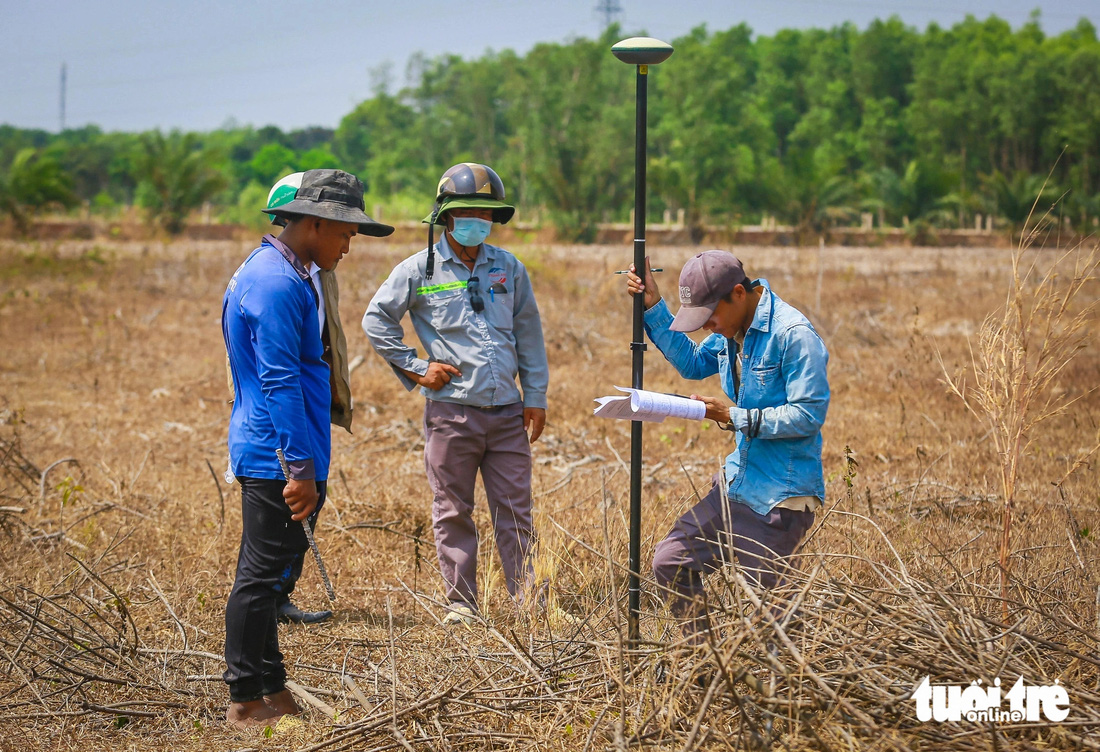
x: 813, y: 127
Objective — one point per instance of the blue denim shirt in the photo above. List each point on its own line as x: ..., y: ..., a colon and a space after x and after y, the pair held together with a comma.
x: 783, y: 375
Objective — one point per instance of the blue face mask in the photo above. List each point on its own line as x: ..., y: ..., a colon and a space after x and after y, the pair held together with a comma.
x: 471, y: 231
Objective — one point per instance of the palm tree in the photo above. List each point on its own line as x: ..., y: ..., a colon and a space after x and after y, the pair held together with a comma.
x: 34, y: 181
x: 818, y: 206
x: 1014, y: 197
x: 175, y: 178
x: 920, y: 193
x: 1083, y: 209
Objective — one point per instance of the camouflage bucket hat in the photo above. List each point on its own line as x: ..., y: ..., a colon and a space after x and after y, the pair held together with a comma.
x: 331, y: 194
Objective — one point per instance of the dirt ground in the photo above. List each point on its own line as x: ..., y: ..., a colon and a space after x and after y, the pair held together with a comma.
x: 119, y: 538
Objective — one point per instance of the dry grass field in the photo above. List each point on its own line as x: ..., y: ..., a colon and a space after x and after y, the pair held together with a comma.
x: 118, y: 538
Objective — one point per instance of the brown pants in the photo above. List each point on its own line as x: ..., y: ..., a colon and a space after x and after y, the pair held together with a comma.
x: 459, y: 440
x: 701, y: 541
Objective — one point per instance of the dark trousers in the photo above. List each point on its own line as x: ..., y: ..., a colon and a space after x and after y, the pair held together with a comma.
x: 707, y: 536
x: 271, y: 543
x: 295, y: 570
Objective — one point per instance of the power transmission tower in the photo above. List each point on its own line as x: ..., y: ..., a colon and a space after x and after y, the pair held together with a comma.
x: 63, y: 71
x: 610, y: 10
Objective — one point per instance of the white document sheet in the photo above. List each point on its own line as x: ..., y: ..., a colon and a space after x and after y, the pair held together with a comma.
x: 652, y: 407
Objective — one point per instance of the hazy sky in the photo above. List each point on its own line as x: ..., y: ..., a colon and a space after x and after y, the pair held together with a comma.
x: 140, y: 64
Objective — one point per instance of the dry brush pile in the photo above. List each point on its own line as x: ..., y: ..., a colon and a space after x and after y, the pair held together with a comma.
x: 119, y: 538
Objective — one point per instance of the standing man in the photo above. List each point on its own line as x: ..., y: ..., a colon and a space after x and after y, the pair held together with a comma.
x: 772, y: 364
x: 336, y: 356
x: 281, y: 400
x: 474, y: 312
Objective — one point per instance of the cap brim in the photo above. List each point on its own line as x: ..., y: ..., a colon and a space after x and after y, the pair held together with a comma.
x: 691, y: 318
x: 334, y: 211
x: 502, y: 212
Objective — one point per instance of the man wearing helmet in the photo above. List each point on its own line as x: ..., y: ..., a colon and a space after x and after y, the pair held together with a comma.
x: 474, y: 312
x: 281, y: 401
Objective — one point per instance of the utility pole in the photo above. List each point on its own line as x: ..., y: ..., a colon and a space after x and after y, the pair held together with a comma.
x: 63, y: 71
x: 610, y: 10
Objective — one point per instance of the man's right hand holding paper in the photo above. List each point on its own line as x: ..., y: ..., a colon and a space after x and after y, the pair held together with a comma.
x: 717, y: 411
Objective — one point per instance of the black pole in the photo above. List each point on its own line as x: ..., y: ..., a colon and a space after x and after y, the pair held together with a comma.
x: 642, y: 52
x: 637, y: 347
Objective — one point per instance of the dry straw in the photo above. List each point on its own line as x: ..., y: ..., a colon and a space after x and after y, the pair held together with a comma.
x: 1022, y: 352
x: 111, y: 614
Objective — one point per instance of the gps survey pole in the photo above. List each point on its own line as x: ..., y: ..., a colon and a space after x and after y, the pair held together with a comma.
x: 642, y: 52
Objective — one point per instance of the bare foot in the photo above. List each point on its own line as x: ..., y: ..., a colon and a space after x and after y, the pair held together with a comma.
x: 246, y: 715
x: 283, y: 702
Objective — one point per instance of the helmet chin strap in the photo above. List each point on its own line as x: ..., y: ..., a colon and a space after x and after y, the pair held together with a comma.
x: 429, y: 271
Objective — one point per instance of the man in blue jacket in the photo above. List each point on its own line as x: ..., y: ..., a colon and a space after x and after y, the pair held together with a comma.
x: 772, y: 364
x: 281, y: 390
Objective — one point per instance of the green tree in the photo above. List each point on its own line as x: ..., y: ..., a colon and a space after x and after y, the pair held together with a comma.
x: 1075, y: 61
x: 882, y: 71
x: 922, y: 191
x: 33, y: 182
x: 819, y: 205
x: 573, y: 145
x: 175, y: 179
x: 982, y: 98
x: 714, y: 147
x: 376, y: 142
x: 317, y: 158
x: 882, y: 61
x: 246, y: 212
x: 271, y: 162
x: 1014, y: 196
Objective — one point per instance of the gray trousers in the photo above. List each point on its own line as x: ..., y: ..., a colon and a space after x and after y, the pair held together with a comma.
x: 459, y: 440
x: 700, y: 543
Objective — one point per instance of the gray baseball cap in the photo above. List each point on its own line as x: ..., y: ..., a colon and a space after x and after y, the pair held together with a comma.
x: 706, y: 278
x: 331, y: 194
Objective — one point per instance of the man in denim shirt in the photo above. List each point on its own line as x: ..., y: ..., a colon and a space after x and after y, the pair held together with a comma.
x: 772, y: 364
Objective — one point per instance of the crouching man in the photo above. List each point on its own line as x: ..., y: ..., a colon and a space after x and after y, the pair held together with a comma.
x: 772, y: 365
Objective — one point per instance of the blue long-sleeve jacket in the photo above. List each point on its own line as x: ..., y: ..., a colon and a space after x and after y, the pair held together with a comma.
x: 281, y: 391
x: 783, y: 376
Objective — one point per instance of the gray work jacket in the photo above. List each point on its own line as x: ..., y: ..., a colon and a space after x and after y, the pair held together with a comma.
x: 490, y: 348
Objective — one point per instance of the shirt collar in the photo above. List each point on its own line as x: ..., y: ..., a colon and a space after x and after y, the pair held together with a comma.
x: 443, y: 248
x: 288, y: 254
x: 762, y: 318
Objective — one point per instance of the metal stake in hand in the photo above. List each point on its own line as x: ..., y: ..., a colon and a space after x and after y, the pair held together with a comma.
x: 309, y: 535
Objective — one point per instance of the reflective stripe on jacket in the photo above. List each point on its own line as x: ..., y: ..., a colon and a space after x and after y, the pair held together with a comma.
x: 489, y: 347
